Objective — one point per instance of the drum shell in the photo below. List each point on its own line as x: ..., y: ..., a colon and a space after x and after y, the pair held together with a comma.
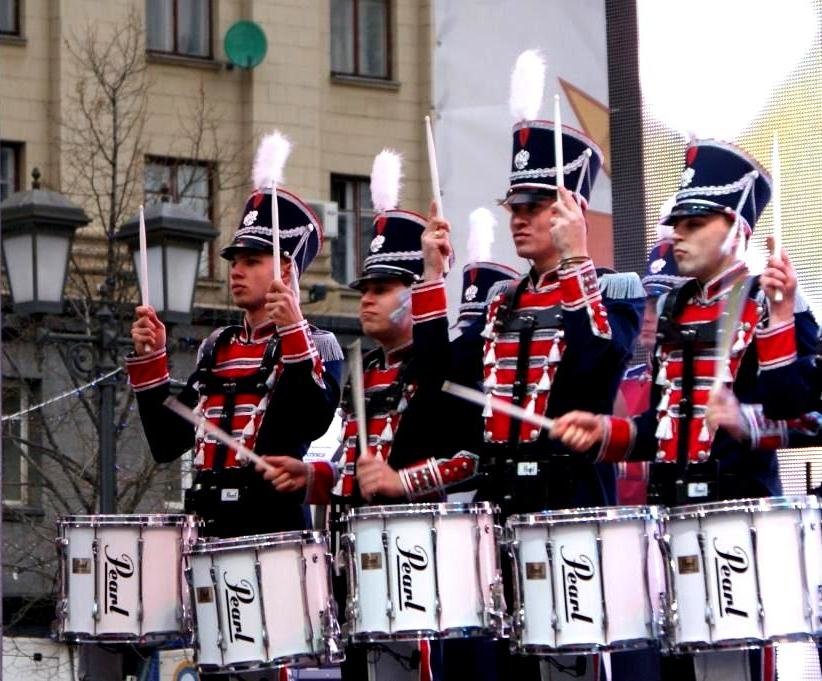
x: 121, y: 578
x: 422, y: 571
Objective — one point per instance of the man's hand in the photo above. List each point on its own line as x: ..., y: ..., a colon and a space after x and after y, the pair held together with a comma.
x: 436, y: 245
x: 282, y: 305
x: 724, y: 412
x: 377, y: 478
x: 779, y: 275
x: 287, y: 473
x: 568, y: 228
x: 147, y: 331
x: 578, y: 430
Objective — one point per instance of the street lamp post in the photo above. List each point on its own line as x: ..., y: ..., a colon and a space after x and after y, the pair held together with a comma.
x: 38, y: 229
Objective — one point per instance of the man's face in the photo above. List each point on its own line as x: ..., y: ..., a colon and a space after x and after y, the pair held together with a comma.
x: 647, y: 332
x: 385, y: 310
x: 698, y: 243
x: 251, y: 274
x: 531, y: 229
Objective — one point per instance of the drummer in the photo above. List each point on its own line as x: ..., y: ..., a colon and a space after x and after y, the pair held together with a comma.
x: 722, y: 193
x: 552, y: 340
x: 271, y: 381
x: 419, y: 440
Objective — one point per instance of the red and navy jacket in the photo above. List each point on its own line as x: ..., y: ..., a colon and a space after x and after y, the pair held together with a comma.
x: 273, y: 389
x: 549, y: 343
x: 419, y: 431
x: 673, y: 430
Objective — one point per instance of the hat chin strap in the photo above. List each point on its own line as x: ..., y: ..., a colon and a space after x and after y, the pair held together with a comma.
x: 295, y: 277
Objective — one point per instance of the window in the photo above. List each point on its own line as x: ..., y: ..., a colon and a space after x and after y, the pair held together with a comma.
x: 348, y: 250
x: 9, y: 17
x: 19, y: 434
x: 361, y: 38
x: 9, y: 168
x: 188, y: 183
x: 181, y: 27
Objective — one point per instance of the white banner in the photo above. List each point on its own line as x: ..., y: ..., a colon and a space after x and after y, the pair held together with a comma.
x: 476, y: 45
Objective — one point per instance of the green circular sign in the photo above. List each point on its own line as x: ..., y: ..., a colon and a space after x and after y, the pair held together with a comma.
x: 245, y: 44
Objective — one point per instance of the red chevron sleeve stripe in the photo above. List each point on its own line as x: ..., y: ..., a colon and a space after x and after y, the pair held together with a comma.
x: 618, y: 440
x: 321, y: 479
x: 776, y: 346
x: 428, y: 301
x: 297, y: 343
x: 147, y: 371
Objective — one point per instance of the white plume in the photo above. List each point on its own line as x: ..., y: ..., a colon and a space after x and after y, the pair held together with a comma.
x: 386, y: 174
x: 270, y: 160
x: 527, y: 85
x: 481, y: 225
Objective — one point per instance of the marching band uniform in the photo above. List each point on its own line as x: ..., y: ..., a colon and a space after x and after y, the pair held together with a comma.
x: 661, y: 275
x: 673, y: 432
x: 274, y: 389
x: 402, y: 400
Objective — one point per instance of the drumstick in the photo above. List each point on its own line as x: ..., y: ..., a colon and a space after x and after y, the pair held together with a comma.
x: 182, y: 410
x: 358, y: 390
x: 143, y: 265
x: 776, y: 200
x: 734, y: 306
x: 560, y: 164
x: 435, y: 180
x: 480, y: 398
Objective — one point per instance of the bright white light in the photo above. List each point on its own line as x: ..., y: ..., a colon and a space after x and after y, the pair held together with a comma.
x: 707, y: 67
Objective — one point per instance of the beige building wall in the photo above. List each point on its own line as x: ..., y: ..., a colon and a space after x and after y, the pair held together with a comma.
x: 336, y: 125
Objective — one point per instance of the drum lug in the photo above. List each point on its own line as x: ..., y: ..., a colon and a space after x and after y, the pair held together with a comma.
x: 389, y: 605
x: 331, y: 633
x: 701, y: 540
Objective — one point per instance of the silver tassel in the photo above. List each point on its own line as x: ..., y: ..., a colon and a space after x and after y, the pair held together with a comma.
x: 739, y: 343
x: 664, y: 430
x: 544, y: 384
x: 553, y: 355
x: 704, y: 436
x: 664, y: 401
x: 490, y: 356
x: 662, y: 374
x: 491, y: 381
x: 387, y: 435
x: 531, y: 406
x: 487, y: 412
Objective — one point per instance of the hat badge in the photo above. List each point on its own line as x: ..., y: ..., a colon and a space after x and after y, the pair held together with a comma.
x: 377, y: 243
x: 250, y: 218
x: 657, y: 265
x: 687, y: 177
x: 521, y: 159
x: 471, y: 293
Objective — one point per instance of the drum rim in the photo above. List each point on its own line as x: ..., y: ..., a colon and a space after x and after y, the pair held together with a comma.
x: 128, y: 520
x: 423, y: 509
x: 791, y: 502
x: 584, y: 515
x: 206, y: 545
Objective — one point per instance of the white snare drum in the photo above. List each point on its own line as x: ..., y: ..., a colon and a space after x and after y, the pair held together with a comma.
x: 744, y: 572
x: 121, y: 577
x: 423, y: 571
x: 586, y: 580
x: 263, y: 601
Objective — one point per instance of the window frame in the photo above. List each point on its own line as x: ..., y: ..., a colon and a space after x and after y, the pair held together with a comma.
x: 389, y: 46
x: 17, y: 149
x: 362, y: 183
x: 18, y: 22
x: 174, y: 164
x: 175, y: 49
x: 26, y: 392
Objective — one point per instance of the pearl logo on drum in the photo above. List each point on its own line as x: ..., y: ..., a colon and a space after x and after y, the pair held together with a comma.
x: 729, y: 563
x: 236, y: 596
x: 574, y: 574
x: 116, y: 569
x: 408, y: 562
